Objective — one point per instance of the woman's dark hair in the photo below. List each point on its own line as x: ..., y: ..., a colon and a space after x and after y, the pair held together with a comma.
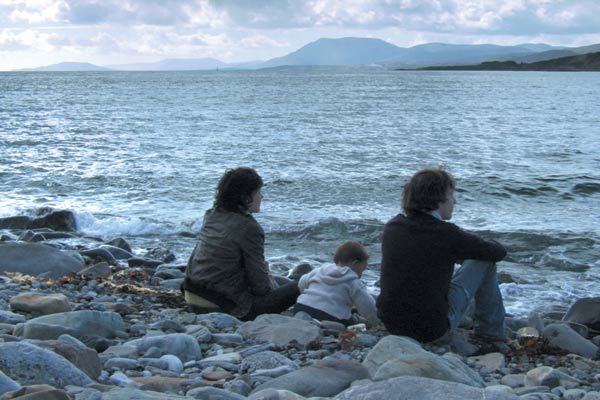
x: 235, y: 188
x: 426, y: 190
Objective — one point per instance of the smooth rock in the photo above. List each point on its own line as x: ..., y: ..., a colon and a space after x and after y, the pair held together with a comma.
x: 429, y: 365
x: 174, y: 364
x: 29, y: 365
x: 396, y: 356
x: 81, y: 356
x: 81, y: 324
x: 418, y: 388
x: 564, y: 337
x: 491, y: 361
x: 549, y: 377
x: 388, y: 348
x: 585, y: 311
x: 101, y: 269
x: 7, y: 384
x: 212, y: 394
x: 274, y: 394
x: 325, y: 378
x: 40, y: 303
x: 130, y: 393
x: 184, y: 346
x: 218, y: 320
x: 280, y: 330
x: 37, y: 259
x: 8, y: 317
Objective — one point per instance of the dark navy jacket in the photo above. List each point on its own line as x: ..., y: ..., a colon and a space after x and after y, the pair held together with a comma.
x: 418, y: 258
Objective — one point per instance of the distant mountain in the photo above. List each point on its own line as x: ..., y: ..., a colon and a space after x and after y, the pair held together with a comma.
x: 69, y: 66
x: 354, y: 52
x: 580, y: 62
x: 172, y: 64
x: 432, y: 54
x: 344, y: 51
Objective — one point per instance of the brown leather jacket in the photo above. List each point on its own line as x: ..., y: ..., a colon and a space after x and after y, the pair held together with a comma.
x: 229, y: 260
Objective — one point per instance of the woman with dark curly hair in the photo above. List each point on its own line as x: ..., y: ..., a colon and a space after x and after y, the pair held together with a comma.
x: 227, y: 271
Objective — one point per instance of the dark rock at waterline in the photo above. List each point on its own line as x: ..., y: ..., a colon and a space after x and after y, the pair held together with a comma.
x: 37, y: 259
x: 120, y: 243
x: 585, y: 311
x: 61, y: 220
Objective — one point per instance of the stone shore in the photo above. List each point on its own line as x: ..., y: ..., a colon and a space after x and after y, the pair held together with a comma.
x: 93, y: 321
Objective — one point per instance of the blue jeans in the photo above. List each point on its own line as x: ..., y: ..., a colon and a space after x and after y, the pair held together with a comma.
x: 477, y: 279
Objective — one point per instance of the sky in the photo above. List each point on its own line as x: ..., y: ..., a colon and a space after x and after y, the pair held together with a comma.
x: 37, y: 33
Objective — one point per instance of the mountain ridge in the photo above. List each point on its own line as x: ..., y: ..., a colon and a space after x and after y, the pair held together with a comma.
x: 352, y: 51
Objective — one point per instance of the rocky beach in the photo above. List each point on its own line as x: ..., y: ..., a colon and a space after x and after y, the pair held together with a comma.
x: 84, y: 318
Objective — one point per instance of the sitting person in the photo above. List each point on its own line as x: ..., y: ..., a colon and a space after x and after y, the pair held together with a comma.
x: 330, y: 292
x: 421, y: 296
x: 227, y: 271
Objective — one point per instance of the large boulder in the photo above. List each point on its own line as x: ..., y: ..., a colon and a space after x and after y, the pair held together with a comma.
x: 585, y: 311
x: 397, y: 356
x: 81, y: 324
x: 280, y: 330
x: 57, y: 220
x: 29, y: 365
x: 566, y: 338
x: 325, y: 378
x: 418, y: 388
x: 37, y: 259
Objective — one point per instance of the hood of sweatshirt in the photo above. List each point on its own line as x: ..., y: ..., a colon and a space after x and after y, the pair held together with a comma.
x: 331, y: 274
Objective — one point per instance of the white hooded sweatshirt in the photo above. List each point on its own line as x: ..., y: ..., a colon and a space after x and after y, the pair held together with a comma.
x: 335, y: 290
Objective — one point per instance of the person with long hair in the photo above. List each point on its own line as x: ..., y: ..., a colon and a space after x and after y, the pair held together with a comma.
x: 227, y: 271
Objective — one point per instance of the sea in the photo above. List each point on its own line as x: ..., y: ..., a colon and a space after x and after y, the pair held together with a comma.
x: 138, y: 155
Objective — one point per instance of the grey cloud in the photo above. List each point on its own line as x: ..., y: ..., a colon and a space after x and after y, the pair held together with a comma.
x: 128, y: 12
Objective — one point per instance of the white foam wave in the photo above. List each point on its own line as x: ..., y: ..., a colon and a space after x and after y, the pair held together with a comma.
x: 110, y: 225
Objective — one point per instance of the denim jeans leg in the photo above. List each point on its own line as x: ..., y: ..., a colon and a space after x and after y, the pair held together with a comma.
x: 478, y: 279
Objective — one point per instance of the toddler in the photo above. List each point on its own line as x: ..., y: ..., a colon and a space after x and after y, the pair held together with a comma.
x: 330, y: 292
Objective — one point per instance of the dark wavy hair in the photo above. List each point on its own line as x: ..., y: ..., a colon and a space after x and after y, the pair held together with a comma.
x: 426, y: 190
x: 235, y: 188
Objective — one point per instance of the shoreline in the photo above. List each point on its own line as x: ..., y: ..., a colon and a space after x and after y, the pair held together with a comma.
x: 137, y: 301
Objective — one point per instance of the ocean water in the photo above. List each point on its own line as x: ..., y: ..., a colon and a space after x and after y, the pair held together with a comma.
x: 138, y: 155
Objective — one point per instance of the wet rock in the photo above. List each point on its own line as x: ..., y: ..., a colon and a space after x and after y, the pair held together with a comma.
x: 585, y: 311
x: 37, y: 259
